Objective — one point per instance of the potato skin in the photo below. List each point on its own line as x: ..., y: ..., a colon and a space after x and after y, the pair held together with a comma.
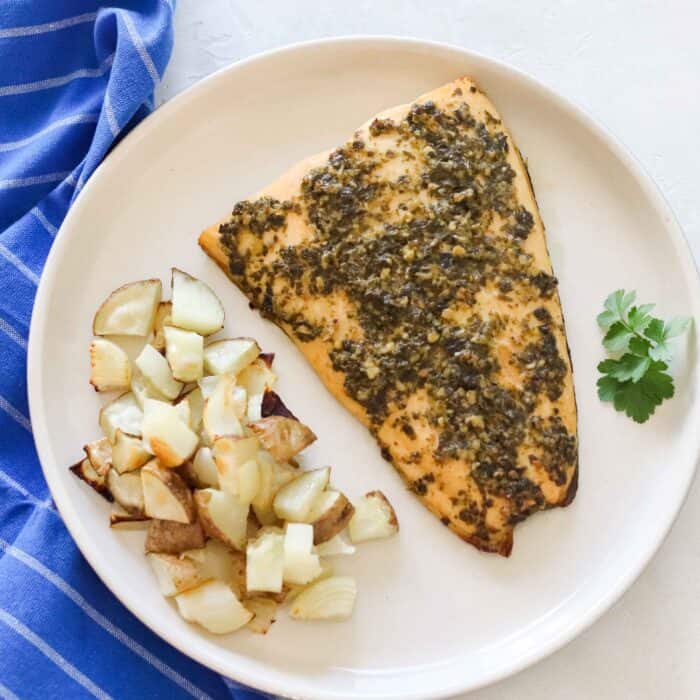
x: 272, y: 405
x: 333, y: 520
x: 184, y: 574
x: 162, y: 320
x: 82, y: 470
x: 99, y: 452
x: 186, y: 471
x: 177, y: 486
x: 168, y: 537
x: 264, y: 611
x: 128, y: 521
x: 201, y: 499
x: 282, y: 437
x: 393, y: 520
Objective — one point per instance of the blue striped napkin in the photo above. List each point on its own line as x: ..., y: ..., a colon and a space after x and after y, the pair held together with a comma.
x: 74, y: 77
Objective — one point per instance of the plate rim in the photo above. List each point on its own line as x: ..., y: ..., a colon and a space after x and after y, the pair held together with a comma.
x: 71, y: 519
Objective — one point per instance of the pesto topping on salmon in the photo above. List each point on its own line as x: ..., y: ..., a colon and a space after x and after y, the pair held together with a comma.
x: 412, y: 234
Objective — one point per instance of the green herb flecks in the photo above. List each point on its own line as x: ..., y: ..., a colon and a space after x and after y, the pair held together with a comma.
x: 636, y: 380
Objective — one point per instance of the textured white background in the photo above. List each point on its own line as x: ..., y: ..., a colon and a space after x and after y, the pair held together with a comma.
x: 635, y: 66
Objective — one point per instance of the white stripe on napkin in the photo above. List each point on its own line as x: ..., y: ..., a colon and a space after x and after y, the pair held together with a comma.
x: 16, y: 262
x: 33, y: 29
x: 66, y: 121
x: 11, y: 333
x: 111, y: 118
x: 101, y: 620
x: 50, y: 653
x: 39, y: 215
x: 14, y: 182
x: 11, y: 411
x: 4, y: 476
x: 6, y: 693
x: 47, y: 83
x: 140, y: 48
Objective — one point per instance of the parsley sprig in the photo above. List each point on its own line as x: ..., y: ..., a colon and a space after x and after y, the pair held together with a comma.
x: 636, y: 381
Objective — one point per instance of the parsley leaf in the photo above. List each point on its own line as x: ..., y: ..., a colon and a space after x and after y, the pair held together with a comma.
x: 618, y: 337
x: 622, y: 320
x: 661, y: 333
x: 639, y: 346
x: 616, y: 306
x: 655, y: 330
x: 628, y: 367
x: 677, y: 326
x: 639, y: 317
x: 607, y: 388
x: 636, y: 379
x: 638, y: 399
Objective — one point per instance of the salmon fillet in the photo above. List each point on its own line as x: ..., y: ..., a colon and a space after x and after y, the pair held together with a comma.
x: 410, y: 267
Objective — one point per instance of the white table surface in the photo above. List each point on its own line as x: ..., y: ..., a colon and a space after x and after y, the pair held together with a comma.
x: 635, y: 66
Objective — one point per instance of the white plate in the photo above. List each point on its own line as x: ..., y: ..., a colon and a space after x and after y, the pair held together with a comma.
x: 434, y: 616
